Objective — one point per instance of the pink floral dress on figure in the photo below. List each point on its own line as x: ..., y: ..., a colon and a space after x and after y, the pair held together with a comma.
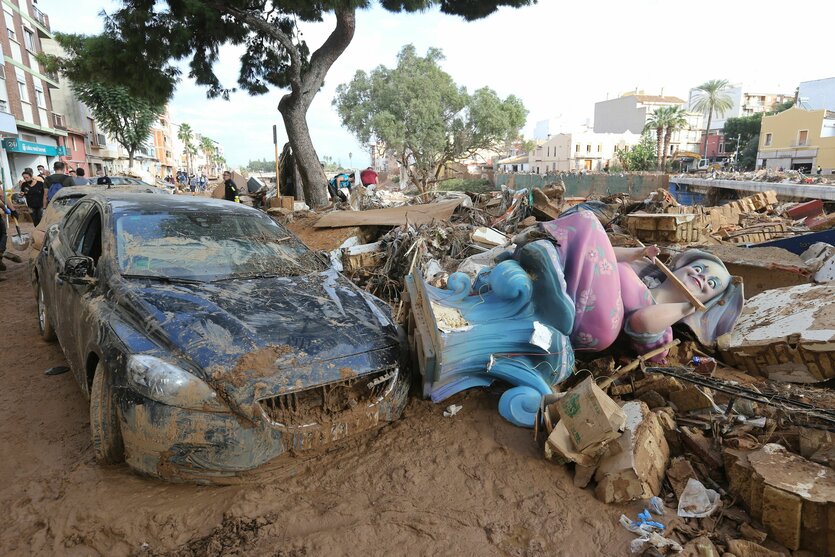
x: 605, y: 293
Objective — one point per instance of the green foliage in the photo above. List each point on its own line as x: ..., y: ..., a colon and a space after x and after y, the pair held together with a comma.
x: 642, y: 156
x: 126, y: 118
x: 262, y: 165
x: 417, y: 111
x: 161, y: 33
x: 712, y: 98
x: 745, y: 126
x: 780, y: 107
x: 748, y: 157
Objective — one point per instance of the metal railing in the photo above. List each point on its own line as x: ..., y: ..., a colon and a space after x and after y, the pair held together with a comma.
x: 41, y: 18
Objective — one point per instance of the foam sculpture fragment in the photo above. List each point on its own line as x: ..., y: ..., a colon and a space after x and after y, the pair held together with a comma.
x: 511, y: 324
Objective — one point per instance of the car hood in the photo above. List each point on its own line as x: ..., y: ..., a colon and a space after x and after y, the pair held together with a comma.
x: 256, y: 338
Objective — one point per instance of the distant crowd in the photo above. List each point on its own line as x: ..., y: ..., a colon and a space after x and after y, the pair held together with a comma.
x: 187, y: 181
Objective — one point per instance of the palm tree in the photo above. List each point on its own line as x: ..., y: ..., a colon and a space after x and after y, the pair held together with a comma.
x: 657, y: 121
x: 712, y: 97
x: 675, y: 120
x: 208, y: 148
x: 186, y: 135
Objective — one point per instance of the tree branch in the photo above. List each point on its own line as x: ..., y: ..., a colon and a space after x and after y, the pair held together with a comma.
x: 324, y: 57
x: 259, y: 24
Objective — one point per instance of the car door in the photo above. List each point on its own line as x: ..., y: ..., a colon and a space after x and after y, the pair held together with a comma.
x: 76, y: 299
x: 57, y: 248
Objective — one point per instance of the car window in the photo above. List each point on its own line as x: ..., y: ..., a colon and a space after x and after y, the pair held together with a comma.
x: 199, y: 245
x: 89, y: 242
x: 73, y: 220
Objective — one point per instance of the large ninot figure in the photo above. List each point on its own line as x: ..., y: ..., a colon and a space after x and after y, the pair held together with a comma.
x: 564, y: 288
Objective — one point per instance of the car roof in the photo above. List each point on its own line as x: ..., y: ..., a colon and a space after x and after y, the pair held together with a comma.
x: 81, y: 191
x: 124, y: 202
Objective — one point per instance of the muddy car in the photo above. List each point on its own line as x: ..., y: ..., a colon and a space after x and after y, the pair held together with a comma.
x: 209, y: 339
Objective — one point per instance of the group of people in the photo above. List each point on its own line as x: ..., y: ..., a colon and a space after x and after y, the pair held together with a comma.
x: 346, y: 180
x: 187, y: 181
x: 39, y: 189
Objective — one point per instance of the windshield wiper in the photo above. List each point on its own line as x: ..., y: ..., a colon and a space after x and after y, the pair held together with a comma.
x: 250, y: 277
x: 169, y: 280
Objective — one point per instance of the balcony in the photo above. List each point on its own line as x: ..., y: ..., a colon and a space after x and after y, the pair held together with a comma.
x: 41, y: 18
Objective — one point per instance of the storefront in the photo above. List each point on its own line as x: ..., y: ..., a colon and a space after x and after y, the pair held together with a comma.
x: 27, y: 154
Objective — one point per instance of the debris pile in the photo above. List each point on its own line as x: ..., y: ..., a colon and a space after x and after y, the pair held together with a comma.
x: 772, y: 175
x: 727, y: 446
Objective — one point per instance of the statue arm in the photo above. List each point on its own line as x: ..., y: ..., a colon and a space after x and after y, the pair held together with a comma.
x: 656, y: 318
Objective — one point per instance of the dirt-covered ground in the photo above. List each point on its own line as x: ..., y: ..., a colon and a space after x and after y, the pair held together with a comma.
x: 468, y: 485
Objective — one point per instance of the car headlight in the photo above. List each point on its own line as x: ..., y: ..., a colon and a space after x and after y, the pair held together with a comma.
x: 166, y: 383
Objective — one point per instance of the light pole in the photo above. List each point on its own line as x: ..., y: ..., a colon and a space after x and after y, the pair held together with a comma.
x: 738, y: 140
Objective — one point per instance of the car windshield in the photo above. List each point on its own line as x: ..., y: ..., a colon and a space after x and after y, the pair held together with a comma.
x: 196, y: 245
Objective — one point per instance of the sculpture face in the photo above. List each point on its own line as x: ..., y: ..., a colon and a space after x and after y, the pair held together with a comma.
x: 704, y: 278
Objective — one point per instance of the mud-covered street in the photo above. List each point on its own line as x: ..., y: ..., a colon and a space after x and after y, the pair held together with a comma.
x: 468, y: 485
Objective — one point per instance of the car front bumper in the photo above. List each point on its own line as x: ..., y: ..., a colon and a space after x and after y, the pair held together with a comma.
x: 183, y: 445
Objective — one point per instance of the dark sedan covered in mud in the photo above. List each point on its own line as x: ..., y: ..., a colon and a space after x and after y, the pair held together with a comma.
x: 208, y: 338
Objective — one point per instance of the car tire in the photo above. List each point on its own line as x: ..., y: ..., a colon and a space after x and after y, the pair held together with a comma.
x: 44, y: 324
x: 105, y: 427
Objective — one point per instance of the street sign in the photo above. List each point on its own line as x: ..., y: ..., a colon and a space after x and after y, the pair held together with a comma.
x: 14, y: 145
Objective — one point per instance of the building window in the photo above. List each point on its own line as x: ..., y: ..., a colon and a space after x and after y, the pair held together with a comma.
x: 4, y: 106
x: 802, y: 137
x: 24, y: 93
x: 2, y: 71
x: 11, y: 33
x: 588, y: 148
x: 40, y: 97
x: 548, y: 152
x: 577, y: 148
x: 29, y: 39
x: 600, y: 148
x: 721, y: 146
x: 767, y: 139
x: 74, y: 148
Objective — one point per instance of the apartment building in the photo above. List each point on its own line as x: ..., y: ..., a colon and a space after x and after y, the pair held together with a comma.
x: 580, y: 150
x: 798, y: 139
x: 32, y: 133
x: 629, y: 112
x: 745, y: 103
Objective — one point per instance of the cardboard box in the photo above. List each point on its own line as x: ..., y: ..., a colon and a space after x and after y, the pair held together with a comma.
x: 591, y: 418
x: 633, y: 466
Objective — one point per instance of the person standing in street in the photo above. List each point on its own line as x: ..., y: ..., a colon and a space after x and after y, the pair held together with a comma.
x: 80, y: 179
x: 42, y: 172
x: 33, y: 191
x: 819, y: 170
x: 230, y: 189
x: 56, y: 181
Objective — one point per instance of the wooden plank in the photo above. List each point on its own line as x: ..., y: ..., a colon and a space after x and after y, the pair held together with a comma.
x: 391, y: 216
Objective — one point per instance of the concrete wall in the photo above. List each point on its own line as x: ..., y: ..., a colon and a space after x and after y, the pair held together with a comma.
x: 585, y: 185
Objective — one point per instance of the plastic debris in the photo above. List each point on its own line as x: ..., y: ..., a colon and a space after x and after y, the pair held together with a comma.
x: 656, y: 505
x: 655, y: 540
x: 697, y: 501
x: 452, y: 410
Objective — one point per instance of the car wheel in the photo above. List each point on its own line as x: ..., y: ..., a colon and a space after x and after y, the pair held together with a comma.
x: 44, y: 323
x: 104, y: 420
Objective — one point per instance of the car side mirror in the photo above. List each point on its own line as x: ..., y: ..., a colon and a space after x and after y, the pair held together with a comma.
x: 78, y: 269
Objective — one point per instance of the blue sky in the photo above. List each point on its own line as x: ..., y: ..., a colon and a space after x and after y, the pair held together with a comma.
x: 559, y: 57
